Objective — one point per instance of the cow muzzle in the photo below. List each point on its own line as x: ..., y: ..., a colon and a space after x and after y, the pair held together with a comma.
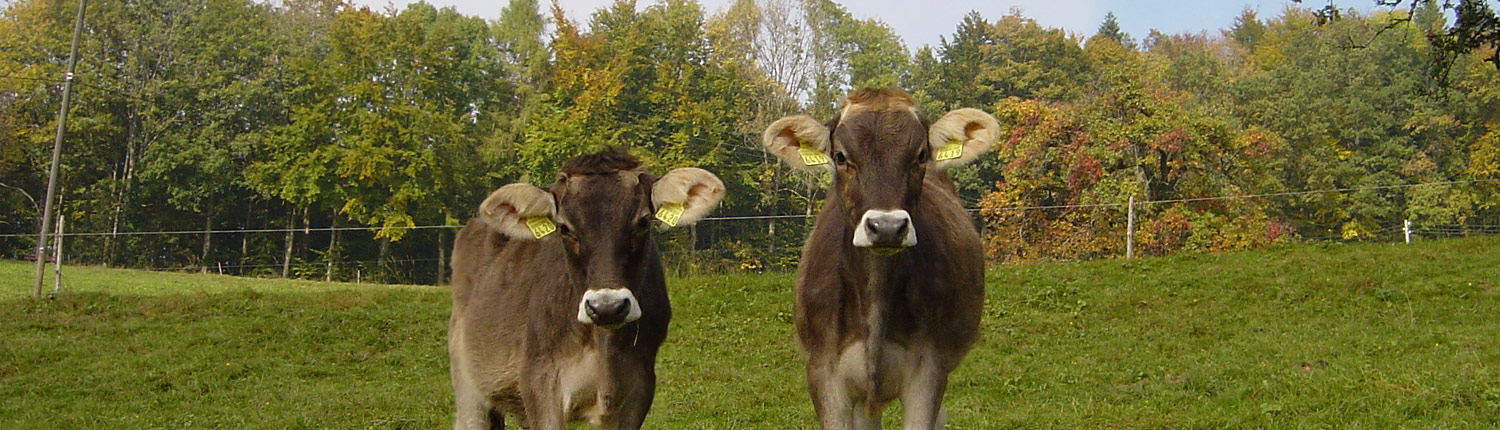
x: 885, y: 232
x: 608, y: 308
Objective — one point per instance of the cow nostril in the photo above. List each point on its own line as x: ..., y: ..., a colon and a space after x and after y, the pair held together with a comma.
x: 621, y: 308
x: 593, y: 310
x: 887, y: 226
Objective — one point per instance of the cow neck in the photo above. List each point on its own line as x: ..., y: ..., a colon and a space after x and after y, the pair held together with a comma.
x: 879, y: 275
x: 877, y: 284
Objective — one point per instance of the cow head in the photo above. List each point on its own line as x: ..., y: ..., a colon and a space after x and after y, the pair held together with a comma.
x: 600, y: 211
x: 880, y: 150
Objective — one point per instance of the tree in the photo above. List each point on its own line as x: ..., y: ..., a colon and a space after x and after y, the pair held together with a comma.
x: 848, y: 53
x: 1110, y: 29
x: 1247, y: 30
x: 225, y: 100
x: 232, y: 114
x: 519, y: 32
x: 1476, y: 27
x: 388, y: 122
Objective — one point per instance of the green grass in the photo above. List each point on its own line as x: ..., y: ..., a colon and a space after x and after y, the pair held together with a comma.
x: 1340, y: 336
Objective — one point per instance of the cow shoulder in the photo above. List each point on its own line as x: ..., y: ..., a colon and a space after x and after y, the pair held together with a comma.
x: 822, y: 281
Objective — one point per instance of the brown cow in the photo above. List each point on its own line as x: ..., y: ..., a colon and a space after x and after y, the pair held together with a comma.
x: 559, y: 303
x: 891, y: 282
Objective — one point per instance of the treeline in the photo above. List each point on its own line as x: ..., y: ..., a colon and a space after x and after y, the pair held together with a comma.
x: 232, y: 114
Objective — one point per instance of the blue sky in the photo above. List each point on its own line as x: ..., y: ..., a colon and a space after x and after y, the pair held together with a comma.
x: 923, y: 25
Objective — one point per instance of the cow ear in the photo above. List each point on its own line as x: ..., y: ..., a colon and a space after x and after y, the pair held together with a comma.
x: 685, y: 195
x: 960, y: 136
x: 800, y: 141
x: 521, y: 211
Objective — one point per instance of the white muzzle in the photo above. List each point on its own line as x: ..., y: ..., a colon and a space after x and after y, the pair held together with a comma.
x: 608, y: 308
x: 889, y: 230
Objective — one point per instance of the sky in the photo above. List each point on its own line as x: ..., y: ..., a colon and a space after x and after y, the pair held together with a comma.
x: 923, y: 25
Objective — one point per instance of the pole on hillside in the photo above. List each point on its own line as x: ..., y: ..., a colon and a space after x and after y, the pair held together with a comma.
x: 57, y: 260
x: 1129, y: 227
x: 1406, y: 230
x: 62, y: 124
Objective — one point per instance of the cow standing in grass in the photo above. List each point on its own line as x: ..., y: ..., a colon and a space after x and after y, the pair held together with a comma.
x: 891, y: 282
x: 559, y: 303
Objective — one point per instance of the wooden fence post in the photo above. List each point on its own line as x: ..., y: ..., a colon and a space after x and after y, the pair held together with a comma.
x: 1130, y: 228
x: 57, y: 259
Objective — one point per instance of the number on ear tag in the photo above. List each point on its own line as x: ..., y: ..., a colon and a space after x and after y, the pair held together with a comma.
x: 540, y: 226
x: 950, y: 151
x: 669, y: 213
x: 811, y: 156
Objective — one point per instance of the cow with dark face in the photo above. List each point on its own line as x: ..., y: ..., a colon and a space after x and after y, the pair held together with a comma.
x: 559, y: 303
x: 891, y: 282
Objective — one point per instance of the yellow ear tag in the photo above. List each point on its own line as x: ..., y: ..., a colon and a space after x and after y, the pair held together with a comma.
x: 811, y: 156
x: 950, y: 151
x: 540, y: 226
x: 669, y: 213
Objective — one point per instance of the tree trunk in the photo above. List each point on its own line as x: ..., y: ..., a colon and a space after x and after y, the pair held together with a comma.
x: 245, y: 237
x: 333, y: 241
x: 122, y: 199
x: 770, y: 237
x: 208, y: 225
x: 109, y: 241
x: 286, y: 259
x: 442, y: 260
x: 807, y: 211
x: 385, y: 253
x: 771, y: 223
x: 306, y: 235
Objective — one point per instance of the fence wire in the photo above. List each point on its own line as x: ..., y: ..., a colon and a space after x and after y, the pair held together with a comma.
x: 747, y: 243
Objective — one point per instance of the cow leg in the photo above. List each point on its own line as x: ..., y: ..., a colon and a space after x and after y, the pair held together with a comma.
x: 546, y: 414
x: 922, y: 398
x: 635, y: 402
x: 543, y: 402
x: 830, y: 399
x: 865, y: 418
x: 472, y: 410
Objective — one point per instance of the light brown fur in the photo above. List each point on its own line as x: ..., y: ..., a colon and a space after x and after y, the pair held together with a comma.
x: 515, y: 341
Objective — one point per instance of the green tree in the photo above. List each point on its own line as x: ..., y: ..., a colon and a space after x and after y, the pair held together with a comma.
x: 389, y: 121
x: 225, y: 100
x: 1247, y: 29
x: 1476, y: 27
x: 1110, y: 29
x: 519, y: 32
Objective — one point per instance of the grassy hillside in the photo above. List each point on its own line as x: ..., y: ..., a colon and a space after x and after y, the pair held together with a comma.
x: 1359, y: 336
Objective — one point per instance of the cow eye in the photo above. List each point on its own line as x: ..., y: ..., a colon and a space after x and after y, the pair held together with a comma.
x: 565, y: 230
x: 644, y: 224
x: 922, y: 155
x: 838, y: 157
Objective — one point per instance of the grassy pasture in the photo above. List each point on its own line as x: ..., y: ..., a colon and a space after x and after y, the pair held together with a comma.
x: 1313, y: 336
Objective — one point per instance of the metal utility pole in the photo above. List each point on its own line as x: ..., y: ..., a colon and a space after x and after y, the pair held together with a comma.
x: 62, y: 124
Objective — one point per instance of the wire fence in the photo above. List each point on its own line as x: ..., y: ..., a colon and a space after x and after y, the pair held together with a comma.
x: 1068, y: 232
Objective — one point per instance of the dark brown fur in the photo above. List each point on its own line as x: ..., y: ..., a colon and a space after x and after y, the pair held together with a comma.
x: 608, y: 161
x: 514, y: 301
x: 925, y: 300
